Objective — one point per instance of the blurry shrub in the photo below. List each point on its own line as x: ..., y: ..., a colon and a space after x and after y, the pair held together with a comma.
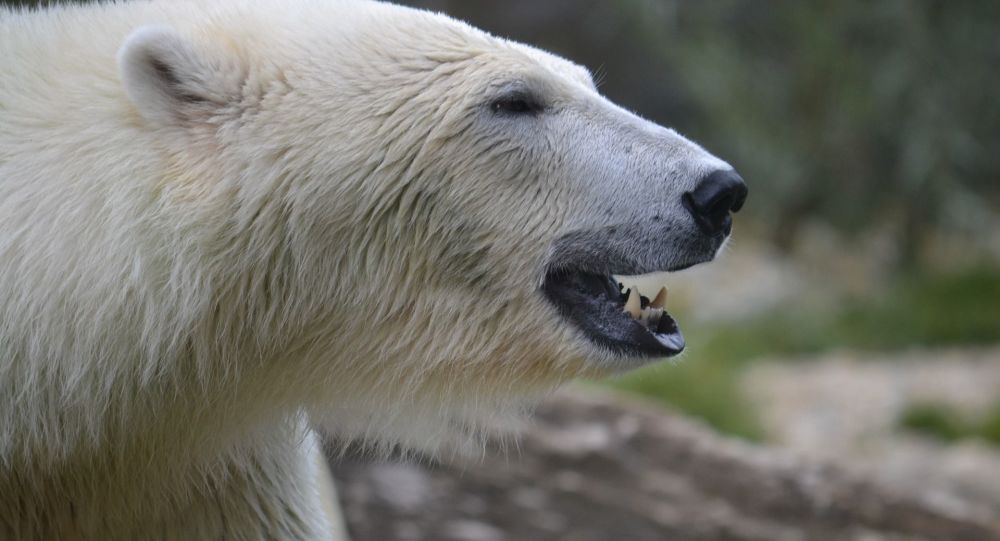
x: 934, y: 420
x: 944, y: 423
x: 702, y: 386
x: 854, y: 111
x: 990, y: 428
x: 954, y: 308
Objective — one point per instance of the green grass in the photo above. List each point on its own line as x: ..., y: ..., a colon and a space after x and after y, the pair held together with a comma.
x: 957, y: 308
x: 706, y: 390
x: 945, y: 424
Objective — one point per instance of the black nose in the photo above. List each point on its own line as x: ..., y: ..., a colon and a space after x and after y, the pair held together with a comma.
x: 718, y: 194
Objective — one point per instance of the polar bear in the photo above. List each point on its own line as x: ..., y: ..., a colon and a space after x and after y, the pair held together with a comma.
x: 222, y: 223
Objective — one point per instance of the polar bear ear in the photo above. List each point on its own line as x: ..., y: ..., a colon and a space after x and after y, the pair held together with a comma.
x: 168, y: 79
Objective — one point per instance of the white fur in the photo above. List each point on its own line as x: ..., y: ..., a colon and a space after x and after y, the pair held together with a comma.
x: 309, y: 215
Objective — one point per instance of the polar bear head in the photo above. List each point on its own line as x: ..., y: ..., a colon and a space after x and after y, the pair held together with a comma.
x: 413, y: 214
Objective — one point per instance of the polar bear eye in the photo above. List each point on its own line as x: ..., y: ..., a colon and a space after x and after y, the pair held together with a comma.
x: 516, y: 104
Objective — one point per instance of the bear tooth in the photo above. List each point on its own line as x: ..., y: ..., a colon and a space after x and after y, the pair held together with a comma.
x: 660, y: 300
x: 632, y: 305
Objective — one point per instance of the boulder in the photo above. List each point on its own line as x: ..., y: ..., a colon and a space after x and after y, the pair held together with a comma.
x: 598, y: 467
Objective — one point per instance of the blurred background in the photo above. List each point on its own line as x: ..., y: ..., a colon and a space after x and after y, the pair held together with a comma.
x: 855, y: 316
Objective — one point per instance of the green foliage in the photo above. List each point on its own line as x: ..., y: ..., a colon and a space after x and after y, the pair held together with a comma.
x: 934, y: 420
x: 953, y: 308
x: 853, y: 111
x: 701, y: 386
x: 944, y: 423
x: 950, y: 309
x: 989, y: 428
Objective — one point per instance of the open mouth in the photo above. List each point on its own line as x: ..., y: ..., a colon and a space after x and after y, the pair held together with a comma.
x: 618, y: 319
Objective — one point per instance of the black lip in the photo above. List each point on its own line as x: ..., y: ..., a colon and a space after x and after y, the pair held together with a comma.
x: 593, y: 303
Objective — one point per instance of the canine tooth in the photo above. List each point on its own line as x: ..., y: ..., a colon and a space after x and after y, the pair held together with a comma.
x: 632, y: 305
x: 661, y: 298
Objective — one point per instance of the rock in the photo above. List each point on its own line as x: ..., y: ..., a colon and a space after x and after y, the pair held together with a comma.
x: 595, y: 467
x: 846, y: 406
